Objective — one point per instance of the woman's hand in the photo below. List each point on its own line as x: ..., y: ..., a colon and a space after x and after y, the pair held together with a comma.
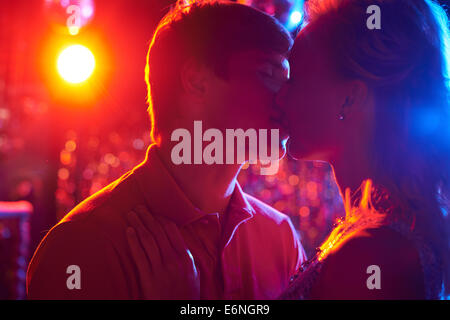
x: 166, y: 267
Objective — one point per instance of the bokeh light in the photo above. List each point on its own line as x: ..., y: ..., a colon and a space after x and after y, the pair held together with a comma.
x: 76, y: 63
x: 296, y: 17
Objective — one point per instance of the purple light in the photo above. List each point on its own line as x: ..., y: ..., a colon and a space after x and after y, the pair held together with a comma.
x: 87, y: 10
x: 64, y: 3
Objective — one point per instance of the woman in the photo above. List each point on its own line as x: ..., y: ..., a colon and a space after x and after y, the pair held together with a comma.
x: 375, y: 105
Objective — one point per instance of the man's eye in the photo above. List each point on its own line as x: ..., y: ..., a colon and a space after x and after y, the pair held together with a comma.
x: 266, y: 70
x: 272, y: 83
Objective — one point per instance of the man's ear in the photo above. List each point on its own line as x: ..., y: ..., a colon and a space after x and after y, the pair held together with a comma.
x: 194, y: 79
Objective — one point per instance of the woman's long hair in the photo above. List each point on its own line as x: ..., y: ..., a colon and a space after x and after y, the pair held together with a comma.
x: 406, y: 65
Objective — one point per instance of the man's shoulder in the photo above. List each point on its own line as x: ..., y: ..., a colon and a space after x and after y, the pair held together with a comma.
x: 95, y: 223
x: 105, y: 203
x: 86, y: 223
x: 89, y: 237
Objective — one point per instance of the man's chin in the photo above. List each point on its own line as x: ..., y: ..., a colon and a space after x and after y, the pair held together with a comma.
x: 283, y: 147
x: 293, y: 150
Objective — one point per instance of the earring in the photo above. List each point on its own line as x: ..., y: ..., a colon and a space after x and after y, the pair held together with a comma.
x: 341, y: 115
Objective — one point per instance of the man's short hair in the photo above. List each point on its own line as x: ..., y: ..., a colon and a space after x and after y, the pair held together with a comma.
x: 209, y: 32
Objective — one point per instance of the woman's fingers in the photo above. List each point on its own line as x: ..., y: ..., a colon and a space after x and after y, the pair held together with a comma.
x: 139, y: 255
x: 165, y: 265
x: 147, y: 240
x: 165, y: 247
x: 172, y: 247
x: 186, y: 260
x: 173, y: 234
x: 191, y: 265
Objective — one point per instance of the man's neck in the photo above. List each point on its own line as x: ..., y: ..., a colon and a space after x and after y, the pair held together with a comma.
x: 208, y: 187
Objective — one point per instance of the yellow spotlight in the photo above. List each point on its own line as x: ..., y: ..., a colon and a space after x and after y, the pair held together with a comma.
x: 76, y: 63
x: 73, y: 30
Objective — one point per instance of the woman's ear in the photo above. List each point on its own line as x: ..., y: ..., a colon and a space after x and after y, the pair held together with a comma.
x: 194, y: 79
x: 358, y: 94
x: 356, y: 98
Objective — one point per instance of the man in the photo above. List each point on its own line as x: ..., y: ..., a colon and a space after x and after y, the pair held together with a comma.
x: 221, y: 64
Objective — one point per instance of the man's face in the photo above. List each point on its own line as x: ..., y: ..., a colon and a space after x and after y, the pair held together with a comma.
x: 246, y: 99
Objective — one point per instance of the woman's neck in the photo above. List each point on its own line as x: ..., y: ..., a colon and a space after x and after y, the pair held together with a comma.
x: 350, y: 169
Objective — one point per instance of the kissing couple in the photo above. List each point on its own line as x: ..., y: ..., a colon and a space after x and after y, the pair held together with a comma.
x: 374, y: 104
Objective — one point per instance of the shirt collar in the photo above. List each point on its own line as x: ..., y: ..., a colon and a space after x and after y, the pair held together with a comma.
x: 239, y: 201
x: 164, y: 197
x: 239, y: 210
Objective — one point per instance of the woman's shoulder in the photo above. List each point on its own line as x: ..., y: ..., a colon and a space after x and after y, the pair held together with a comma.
x: 377, y: 263
x: 381, y: 243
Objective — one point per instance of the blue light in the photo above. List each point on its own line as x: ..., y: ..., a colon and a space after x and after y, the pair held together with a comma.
x: 444, y: 212
x: 296, y: 17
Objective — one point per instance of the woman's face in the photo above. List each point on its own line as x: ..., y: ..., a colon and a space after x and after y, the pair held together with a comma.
x: 311, y: 101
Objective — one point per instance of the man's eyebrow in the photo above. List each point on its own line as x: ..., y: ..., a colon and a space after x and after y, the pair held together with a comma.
x: 273, y: 61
